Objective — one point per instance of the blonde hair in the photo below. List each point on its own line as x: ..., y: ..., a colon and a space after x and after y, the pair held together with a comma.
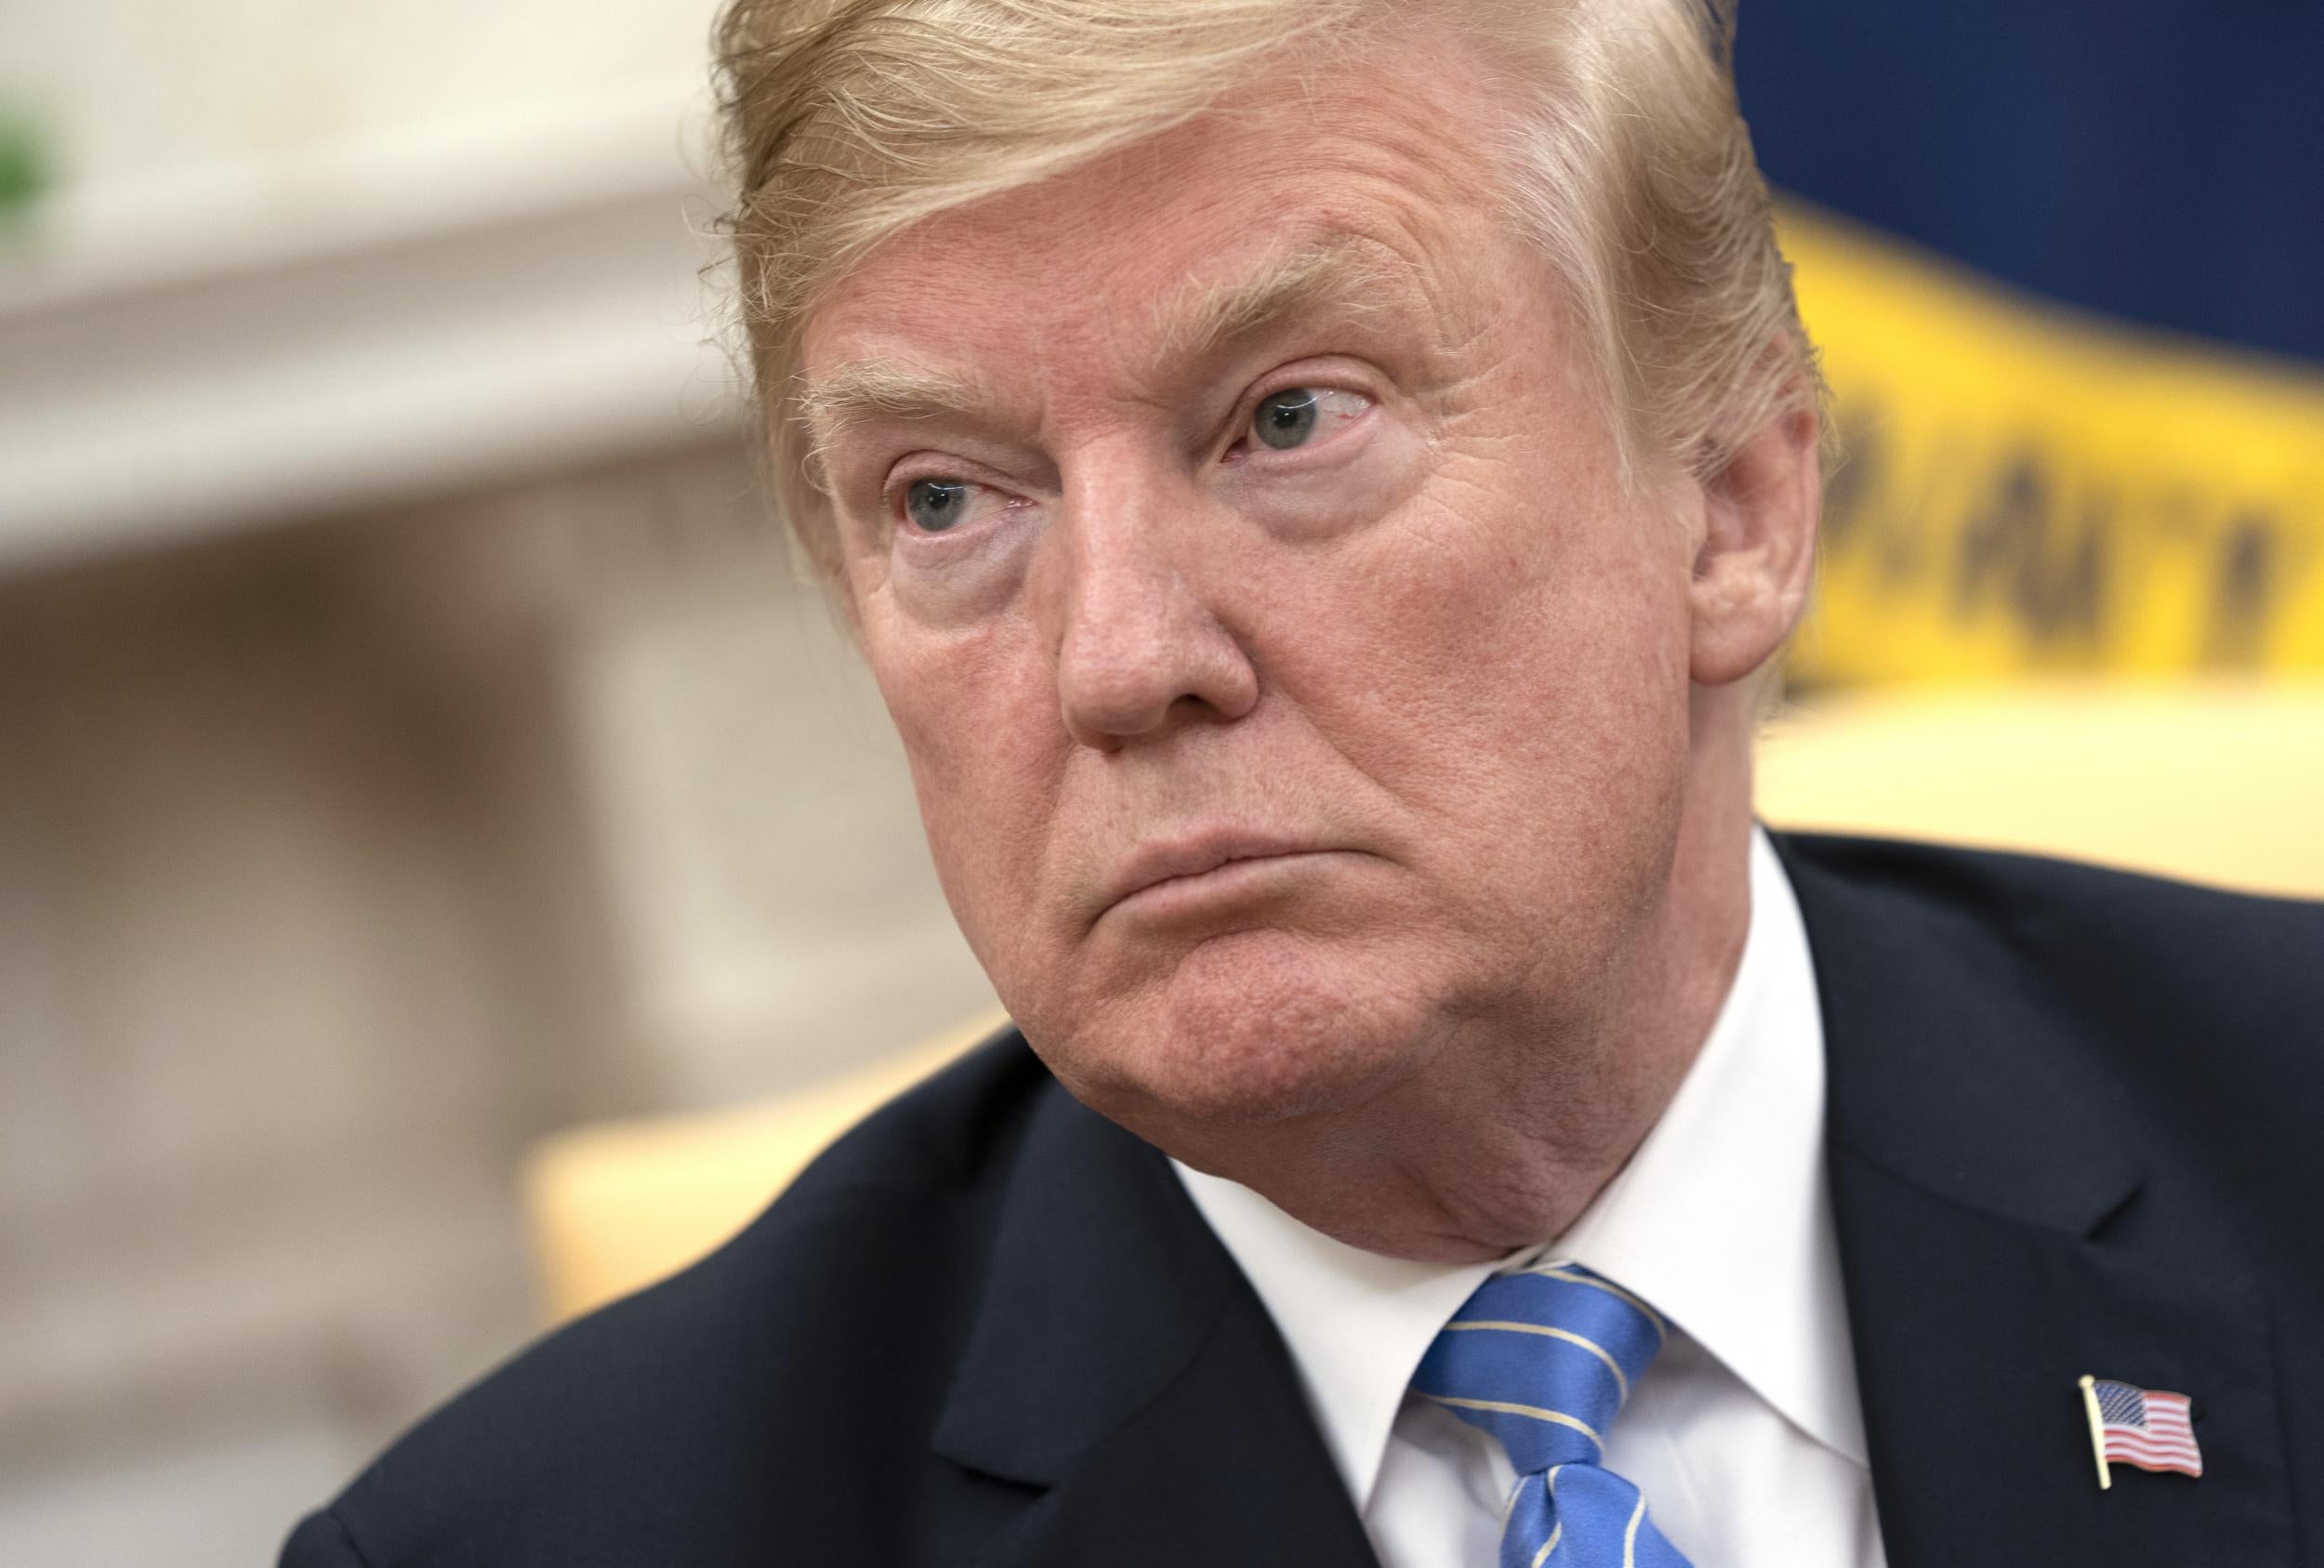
x: 1623, y: 156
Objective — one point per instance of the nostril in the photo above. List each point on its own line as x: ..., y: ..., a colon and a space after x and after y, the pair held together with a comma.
x: 1140, y: 646
x: 1117, y: 702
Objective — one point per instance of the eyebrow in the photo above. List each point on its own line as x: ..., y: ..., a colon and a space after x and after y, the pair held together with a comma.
x: 892, y: 387
x: 1192, y: 321
x: 1199, y: 319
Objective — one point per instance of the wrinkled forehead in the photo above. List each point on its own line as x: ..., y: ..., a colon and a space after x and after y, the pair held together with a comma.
x: 1370, y: 193
x: 1189, y: 319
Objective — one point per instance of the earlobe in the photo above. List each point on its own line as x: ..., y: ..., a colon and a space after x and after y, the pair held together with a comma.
x: 1755, y: 563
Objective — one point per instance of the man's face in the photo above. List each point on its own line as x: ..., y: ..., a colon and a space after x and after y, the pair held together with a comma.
x: 1291, y: 690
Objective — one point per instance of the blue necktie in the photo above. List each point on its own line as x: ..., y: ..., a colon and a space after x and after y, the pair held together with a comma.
x: 1543, y: 1360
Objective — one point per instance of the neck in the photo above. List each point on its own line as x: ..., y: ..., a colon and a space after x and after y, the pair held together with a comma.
x: 1522, y: 1118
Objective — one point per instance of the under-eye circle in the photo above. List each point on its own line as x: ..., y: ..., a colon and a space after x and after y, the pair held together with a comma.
x: 936, y: 505
x: 1287, y: 418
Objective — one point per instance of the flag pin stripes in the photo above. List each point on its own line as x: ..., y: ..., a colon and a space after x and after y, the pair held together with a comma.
x: 2145, y: 1427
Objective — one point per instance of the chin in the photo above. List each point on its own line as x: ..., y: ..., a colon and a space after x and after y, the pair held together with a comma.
x: 1249, y: 1028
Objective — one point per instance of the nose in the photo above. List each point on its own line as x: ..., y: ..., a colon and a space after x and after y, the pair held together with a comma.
x: 1140, y: 649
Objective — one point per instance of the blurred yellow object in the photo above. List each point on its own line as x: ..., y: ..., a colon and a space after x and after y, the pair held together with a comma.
x: 618, y: 1204
x: 2211, y: 781
x: 2027, y: 489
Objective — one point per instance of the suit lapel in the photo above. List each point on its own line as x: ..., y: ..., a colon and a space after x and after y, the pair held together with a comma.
x: 1120, y: 1364
x: 1977, y: 1171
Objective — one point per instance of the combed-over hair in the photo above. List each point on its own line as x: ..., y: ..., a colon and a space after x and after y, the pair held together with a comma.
x: 1624, y: 157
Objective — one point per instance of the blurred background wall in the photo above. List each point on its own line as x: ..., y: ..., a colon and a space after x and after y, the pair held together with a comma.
x: 411, y: 737
x: 412, y: 740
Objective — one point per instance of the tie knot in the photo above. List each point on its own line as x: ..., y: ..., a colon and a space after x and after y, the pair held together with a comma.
x: 1542, y: 1359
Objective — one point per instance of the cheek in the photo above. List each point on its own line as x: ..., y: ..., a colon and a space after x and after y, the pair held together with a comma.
x: 1516, y: 676
x: 983, y: 742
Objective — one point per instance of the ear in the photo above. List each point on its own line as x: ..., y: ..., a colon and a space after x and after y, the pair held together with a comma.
x: 1756, y: 559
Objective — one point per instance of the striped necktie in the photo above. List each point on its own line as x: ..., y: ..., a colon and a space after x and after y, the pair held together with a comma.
x: 1543, y: 1360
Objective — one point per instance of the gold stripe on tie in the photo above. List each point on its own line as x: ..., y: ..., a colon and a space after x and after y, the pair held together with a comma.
x: 1549, y: 1484
x: 1509, y: 1508
x: 1533, y: 1411
x: 1558, y: 1271
x: 1629, y: 1536
x: 1596, y: 1349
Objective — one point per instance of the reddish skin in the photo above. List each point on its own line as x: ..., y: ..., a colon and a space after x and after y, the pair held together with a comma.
x: 1439, y: 644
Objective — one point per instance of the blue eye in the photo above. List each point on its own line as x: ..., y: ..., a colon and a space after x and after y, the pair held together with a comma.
x: 935, y: 505
x: 1287, y: 418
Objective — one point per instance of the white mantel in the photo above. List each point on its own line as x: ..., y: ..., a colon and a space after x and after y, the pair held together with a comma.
x: 298, y: 332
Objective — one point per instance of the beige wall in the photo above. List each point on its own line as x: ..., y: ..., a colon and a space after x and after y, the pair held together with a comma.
x: 135, y: 91
x: 336, y: 864
x: 343, y: 855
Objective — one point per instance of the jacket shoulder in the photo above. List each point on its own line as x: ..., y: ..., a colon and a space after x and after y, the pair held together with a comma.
x: 2190, y: 1017
x: 2179, y: 943
x: 723, y: 1411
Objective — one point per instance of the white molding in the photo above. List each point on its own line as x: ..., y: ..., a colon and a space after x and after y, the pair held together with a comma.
x: 360, y: 325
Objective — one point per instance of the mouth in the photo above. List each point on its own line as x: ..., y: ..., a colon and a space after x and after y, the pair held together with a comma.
x: 1194, y: 874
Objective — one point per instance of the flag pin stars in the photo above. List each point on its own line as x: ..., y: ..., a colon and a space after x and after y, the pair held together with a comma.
x: 2146, y: 1427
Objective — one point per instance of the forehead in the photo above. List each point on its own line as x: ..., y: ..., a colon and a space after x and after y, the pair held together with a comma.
x: 1370, y: 182
x: 1187, y: 322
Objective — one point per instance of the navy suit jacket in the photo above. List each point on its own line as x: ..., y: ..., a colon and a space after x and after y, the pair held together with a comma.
x: 2073, y: 1128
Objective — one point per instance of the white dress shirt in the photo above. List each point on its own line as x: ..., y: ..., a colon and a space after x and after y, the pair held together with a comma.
x: 1746, y: 1435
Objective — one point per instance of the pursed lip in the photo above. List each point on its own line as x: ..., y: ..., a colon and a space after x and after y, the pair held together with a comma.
x: 1168, y: 860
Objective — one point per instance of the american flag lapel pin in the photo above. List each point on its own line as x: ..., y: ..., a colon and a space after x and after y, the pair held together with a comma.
x: 2146, y: 1427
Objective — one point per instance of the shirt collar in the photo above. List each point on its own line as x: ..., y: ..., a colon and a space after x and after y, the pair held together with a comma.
x: 1729, y: 1185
